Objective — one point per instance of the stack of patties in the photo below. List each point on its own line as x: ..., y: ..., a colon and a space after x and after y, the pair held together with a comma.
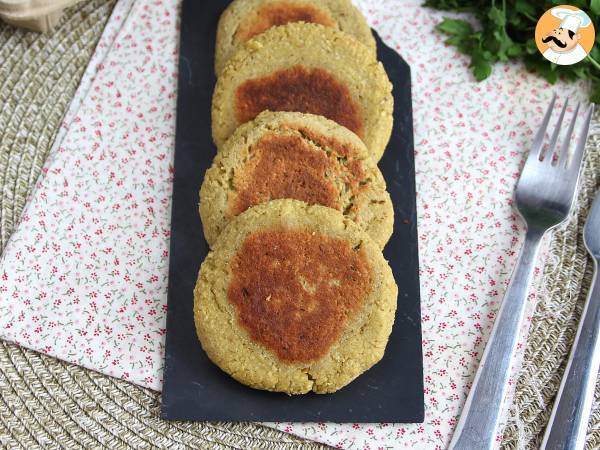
x: 295, y: 295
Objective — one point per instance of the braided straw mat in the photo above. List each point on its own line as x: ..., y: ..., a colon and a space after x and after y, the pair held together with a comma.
x: 46, y: 403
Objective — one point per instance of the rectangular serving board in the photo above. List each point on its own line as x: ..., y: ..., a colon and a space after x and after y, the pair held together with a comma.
x: 194, y: 388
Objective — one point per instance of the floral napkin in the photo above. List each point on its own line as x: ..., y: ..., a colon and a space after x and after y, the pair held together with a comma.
x: 84, y: 276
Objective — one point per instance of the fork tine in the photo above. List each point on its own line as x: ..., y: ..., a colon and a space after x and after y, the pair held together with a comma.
x: 548, y: 156
x: 575, y: 161
x: 563, y: 156
x: 539, y: 137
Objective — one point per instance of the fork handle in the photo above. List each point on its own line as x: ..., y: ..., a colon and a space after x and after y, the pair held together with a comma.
x: 476, y: 429
x: 569, y: 420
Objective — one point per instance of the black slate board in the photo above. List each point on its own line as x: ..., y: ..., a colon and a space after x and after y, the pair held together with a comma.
x: 194, y: 388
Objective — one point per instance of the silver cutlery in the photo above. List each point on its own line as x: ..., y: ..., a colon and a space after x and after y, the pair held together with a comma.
x: 543, y: 197
x: 568, y: 423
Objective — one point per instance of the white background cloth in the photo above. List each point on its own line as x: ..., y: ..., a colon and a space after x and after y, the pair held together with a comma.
x: 84, y: 276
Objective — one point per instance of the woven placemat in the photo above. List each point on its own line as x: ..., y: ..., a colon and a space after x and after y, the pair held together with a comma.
x: 566, y: 281
x: 45, y: 403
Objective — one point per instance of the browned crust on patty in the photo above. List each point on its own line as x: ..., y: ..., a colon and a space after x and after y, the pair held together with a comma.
x: 294, y: 290
x: 246, y: 19
x: 289, y: 166
x: 299, y: 89
x: 306, y: 68
x: 299, y: 156
x: 277, y: 13
x: 265, y: 268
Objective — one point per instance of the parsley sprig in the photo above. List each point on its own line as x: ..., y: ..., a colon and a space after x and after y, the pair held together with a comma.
x: 507, y: 32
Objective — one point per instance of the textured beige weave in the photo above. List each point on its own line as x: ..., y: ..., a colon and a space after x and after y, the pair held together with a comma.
x: 566, y: 281
x: 38, y: 15
x: 45, y: 403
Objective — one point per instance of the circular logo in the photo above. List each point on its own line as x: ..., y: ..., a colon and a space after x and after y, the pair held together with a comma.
x: 564, y: 35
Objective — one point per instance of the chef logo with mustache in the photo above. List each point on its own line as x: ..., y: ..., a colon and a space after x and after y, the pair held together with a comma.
x: 564, y: 35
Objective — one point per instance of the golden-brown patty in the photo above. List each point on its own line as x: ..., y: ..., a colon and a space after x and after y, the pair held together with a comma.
x: 294, y: 298
x: 306, y: 68
x: 299, y: 156
x: 244, y: 19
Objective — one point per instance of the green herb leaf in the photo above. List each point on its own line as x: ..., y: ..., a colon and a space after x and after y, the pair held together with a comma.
x: 456, y: 27
x: 525, y: 8
x: 531, y: 47
x: 481, y: 70
x: 542, y: 67
x: 480, y: 64
x: 497, y: 16
x: 595, y: 98
x: 507, y: 32
x: 514, y: 50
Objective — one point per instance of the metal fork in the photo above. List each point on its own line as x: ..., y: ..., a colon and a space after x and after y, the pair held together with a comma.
x: 544, y: 196
x: 567, y: 427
